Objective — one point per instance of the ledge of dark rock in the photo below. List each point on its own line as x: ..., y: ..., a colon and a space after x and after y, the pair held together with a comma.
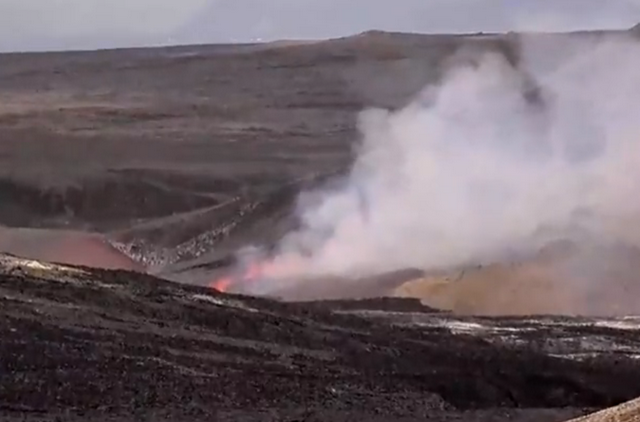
x: 100, y: 342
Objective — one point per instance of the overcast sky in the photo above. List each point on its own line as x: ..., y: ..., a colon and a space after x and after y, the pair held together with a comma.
x: 90, y: 24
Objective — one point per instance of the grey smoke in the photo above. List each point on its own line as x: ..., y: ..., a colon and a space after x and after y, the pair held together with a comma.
x: 474, y: 171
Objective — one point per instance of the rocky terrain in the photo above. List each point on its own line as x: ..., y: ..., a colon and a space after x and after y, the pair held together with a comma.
x: 165, y: 161
x: 80, y: 343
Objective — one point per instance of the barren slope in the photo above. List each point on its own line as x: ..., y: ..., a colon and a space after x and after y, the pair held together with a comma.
x: 79, y: 343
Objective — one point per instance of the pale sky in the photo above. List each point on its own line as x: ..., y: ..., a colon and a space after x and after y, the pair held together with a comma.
x: 91, y: 24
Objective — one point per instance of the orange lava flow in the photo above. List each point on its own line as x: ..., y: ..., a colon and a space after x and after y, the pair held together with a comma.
x: 222, y: 284
x: 260, y: 271
x: 252, y: 274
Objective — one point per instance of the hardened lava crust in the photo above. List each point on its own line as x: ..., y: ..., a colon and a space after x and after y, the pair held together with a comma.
x: 85, y: 343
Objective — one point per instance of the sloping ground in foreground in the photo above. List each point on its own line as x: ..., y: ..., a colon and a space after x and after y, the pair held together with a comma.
x: 80, y: 343
x: 626, y: 412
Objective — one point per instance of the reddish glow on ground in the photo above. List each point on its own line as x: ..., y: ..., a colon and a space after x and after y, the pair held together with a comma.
x: 252, y: 274
x: 222, y: 284
x: 261, y: 271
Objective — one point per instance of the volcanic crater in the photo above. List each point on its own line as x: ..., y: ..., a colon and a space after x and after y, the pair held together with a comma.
x: 129, y: 181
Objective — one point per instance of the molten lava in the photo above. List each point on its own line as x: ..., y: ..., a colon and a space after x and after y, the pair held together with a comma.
x: 251, y: 274
x: 222, y: 284
x: 271, y: 271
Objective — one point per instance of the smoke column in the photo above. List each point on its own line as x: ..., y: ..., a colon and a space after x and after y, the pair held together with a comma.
x: 477, y: 170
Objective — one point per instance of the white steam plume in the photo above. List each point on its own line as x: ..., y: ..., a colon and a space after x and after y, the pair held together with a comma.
x: 477, y: 169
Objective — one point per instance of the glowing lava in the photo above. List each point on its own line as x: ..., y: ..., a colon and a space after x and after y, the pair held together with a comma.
x: 269, y: 273
x: 222, y: 284
x: 252, y: 274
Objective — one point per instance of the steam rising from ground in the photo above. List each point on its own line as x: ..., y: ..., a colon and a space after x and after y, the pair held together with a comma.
x: 482, y: 168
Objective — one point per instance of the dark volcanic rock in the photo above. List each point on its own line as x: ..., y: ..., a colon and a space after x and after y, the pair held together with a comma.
x: 387, y: 304
x: 93, y: 342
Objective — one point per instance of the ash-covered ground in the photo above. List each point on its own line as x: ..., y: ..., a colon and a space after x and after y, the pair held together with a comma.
x: 80, y: 343
x: 167, y: 161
